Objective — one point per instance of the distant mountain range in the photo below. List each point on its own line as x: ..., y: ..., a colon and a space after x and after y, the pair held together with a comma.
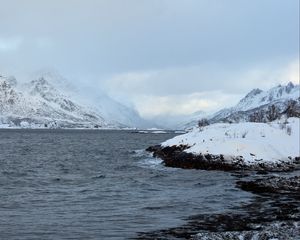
x: 49, y: 101
x: 44, y: 103
x: 257, y: 106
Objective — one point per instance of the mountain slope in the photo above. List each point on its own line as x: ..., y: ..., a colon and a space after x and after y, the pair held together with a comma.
x: 112, y: 111
x: 256, y: 106
x: 40, y: 103
x: 43, y: 106
x: 260, y: 103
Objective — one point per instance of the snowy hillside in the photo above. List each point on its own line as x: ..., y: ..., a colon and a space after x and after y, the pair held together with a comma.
x: 254, y: 107
x: 250, y: 143
x: 112, y: 111
x: 49, y: 102
x: 257, y: 97
x: 258, y: 102
x: 117, y: 113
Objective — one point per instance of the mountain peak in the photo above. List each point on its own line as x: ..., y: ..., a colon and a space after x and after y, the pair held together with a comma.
x: 40, y: 85
x: 289, y: 87
x: 54, y: 78
x: 11, y: 81
x: 252, y: 94
x: 40, y: 81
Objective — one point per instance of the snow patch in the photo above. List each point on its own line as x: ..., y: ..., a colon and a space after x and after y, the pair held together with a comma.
x: 255, y: 142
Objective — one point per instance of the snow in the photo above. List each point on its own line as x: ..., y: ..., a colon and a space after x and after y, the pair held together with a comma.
x: 255, y: 142
x: 258, y: 97
x: 158, y: 132
x: 154, y: 129
x: 258, y: 100
x: 50, y: 101
x: 255, y: 100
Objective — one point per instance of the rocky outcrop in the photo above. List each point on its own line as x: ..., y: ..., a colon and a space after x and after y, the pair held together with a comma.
x: 274, y: 184
x: 277, y: 230
x: 175, y: 156
x: 264, y: 218
x: 274, y: 214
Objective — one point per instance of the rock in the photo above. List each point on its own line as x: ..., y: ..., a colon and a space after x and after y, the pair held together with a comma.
x: 280, y: 230
x: 264, y: 218
x: 175, y: 156
x: 274, y: 184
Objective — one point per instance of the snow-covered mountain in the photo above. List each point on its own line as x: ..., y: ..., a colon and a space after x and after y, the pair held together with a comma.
x: 117, y: 113
x: 258, y: 104
x: 257, y: 97
x: 111, y: 110
x: 40, y: 103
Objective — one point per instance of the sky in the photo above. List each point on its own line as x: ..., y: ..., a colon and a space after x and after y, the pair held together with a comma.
x: 163, y: 57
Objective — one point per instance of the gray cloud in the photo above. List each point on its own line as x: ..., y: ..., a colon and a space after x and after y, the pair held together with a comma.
x: 208, y: 87
x: 139, y: 48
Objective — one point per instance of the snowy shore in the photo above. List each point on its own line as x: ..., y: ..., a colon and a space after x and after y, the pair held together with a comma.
x: 224, y: 146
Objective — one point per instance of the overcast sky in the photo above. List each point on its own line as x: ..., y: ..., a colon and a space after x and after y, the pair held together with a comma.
x: 161, y: 56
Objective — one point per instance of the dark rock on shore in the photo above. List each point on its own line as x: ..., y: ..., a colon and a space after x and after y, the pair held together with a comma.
x: 278, y: 230
x: 274, y: 184
x: 275, y: 214
x: 262, y: 219
x: 175, y: 156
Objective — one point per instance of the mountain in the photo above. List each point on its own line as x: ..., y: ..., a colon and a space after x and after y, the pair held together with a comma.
x: 256, y: 106
x: 259, y: 105
x: 117, y: 113
x: 48, y: 102
x: 98, y: 101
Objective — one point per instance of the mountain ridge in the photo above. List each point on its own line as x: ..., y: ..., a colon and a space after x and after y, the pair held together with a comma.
x: 40, y: 104
x: 256, y: 104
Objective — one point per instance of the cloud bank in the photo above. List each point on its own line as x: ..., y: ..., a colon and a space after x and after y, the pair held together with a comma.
x: 161, y: 56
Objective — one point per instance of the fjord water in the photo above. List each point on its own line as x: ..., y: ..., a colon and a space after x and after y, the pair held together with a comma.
x: 84, y: 184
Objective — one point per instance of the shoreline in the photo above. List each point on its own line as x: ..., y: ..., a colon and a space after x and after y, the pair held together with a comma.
x: 175, y: 156
x: 274, y: 212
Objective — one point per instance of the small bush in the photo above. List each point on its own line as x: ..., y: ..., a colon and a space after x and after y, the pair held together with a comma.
x: 203, y: 122
x: 289, y: 130
x: 244, y: 134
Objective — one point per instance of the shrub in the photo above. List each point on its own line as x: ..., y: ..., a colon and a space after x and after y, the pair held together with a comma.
x: 289, y: 130
x: 203, y: 122
x: 272, y: 113
x: 244, y: 134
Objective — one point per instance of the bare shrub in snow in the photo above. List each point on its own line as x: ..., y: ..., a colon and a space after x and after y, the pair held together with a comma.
x: 272, y: 113
x: 293, y: 108
x: 258, y: 116
x: 282, y: 125
x: 203, y: 122
x: 289, y: 130
x: 244, y: 134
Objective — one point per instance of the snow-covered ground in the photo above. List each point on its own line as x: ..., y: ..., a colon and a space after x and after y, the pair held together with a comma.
x: 255, y: 142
